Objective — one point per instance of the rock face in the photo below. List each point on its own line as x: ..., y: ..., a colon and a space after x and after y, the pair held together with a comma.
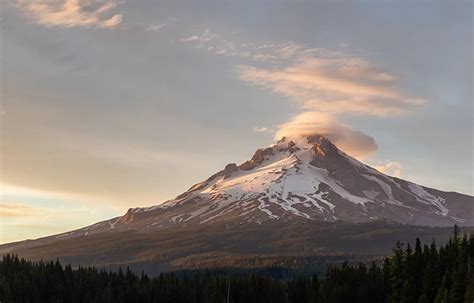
x: 310, y: 179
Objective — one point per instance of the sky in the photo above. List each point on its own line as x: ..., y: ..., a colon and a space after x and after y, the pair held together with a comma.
x: 108, y: 105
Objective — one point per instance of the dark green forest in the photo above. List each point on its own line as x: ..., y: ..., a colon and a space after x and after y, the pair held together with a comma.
x: 420, y: 273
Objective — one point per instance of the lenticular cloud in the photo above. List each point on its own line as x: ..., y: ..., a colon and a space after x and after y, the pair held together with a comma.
x: 354, y: 142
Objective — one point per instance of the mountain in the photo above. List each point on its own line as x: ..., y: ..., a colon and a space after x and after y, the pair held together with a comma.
x: 306, y: 183
x: 310, y: 179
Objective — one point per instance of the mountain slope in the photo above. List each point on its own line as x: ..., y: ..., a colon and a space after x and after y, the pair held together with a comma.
x: 309, y: 179
x: 291, y: 184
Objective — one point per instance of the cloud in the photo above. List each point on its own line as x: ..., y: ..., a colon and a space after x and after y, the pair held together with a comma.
x: 201, y: 39
x: 265, y: 52
x: 261, y: 129
x: 155, y: 27
x: 391, y: 168
x: 39, y: 215
x: 353, y: 142
x: 72, y: 13
x: 334, y: 85
x: 324, y: 83
x: 17, y: 193
x: 19, y: 210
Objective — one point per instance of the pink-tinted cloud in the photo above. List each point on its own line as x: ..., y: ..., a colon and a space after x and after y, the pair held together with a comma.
x: 264, y: 52
x: 334, y: 85
x: 353, y: 142
x: 19, y: 210
x: 72, y: 13
x: 391, y: 168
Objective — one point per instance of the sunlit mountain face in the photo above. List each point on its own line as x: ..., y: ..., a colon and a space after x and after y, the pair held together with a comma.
x: 304, y: 186
x: 308, y: 178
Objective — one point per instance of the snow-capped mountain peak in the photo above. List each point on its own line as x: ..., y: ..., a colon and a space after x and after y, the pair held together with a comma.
x: 307, y: 178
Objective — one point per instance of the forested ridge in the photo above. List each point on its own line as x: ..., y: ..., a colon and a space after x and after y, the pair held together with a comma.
x: 420, y: 273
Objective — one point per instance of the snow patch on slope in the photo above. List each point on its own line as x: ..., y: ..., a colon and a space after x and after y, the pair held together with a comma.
x: 385, y: 187
x: 426, y: 196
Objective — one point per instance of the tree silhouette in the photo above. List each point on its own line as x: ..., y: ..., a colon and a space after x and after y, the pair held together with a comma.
x: 424, y: 274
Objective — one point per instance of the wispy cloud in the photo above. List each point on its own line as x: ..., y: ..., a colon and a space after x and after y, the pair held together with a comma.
x: 19, y: 210
x: 265, y: 52
x: 17, y: 193
x: 391, y: 168
x: 72, y: 13
x: 334, y: 85
x: 155, y: 27
x: 262, y: 129
x: 21, y: 220
x: 27, y: 212
x: 200, y: 39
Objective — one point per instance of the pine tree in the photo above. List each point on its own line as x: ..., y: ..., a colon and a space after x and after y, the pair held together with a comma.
x: 408, y: 293
x: 397, y: 273
x: 442, y: 293
x: 460, y: 271
x: 315, y: 285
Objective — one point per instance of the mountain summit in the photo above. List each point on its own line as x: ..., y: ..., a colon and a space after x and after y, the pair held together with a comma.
x: 309, y: 179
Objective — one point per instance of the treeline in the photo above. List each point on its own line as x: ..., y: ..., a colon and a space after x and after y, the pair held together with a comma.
x: 416, y: 274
